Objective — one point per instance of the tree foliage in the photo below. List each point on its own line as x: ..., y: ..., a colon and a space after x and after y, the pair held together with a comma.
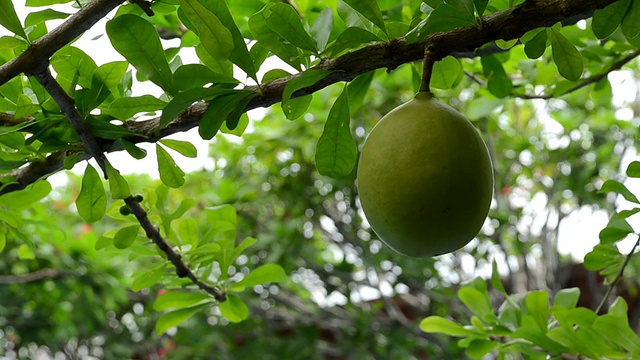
x: 267, y: 253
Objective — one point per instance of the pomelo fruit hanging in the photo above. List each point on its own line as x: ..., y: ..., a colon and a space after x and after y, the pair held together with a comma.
x: 425, y: 178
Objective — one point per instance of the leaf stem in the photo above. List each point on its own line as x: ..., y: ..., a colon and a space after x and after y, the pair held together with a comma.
x: 427, y: 69
x: 618, y: 277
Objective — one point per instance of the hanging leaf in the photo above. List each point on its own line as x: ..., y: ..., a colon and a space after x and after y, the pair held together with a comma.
x: 445, y: 73
x: 630, y: 25
x: 175, y: 318
x: 186, y: 98
x: 234, y: 309
x: 271, y: 41
x: 620, y: 188
x: 117, y: 184
x: 138, y: 41
x: 215, y: 37
x: 336, y: 151
x: 92, y: 200
x: 606, y: 21
x: 185, y: 148
x: 566, y: 57
x: 321, y: 29
x: 535, y: 47
x: 305, y: 79
x: 9, y: 18
x: 126, y: 236
x: 170, y: 174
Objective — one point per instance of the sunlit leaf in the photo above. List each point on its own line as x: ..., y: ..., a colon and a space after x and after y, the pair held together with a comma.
x: 565, y: 55
x: 234, y: 309
x: 178, y: 300
x: 175, y: 318
x: 126, y: 236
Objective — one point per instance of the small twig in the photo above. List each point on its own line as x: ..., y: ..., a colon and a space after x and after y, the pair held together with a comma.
x: 182, y: 270
x: 38, y: 275
x: 618, y: 277
x: 145, y: 6
x: 67, y: 106
x: 427, y: 69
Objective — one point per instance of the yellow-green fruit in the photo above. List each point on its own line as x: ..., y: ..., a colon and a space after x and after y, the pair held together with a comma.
x: 425, y: 178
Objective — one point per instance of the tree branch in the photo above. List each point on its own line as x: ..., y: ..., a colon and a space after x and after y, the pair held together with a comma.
x: 38, y: 54
x: 38, y: 275
x: 182, y: 270
x: 508, y: 24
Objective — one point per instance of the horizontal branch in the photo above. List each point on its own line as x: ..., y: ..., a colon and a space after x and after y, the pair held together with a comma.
x: 42, y: 274
x: 508, y: 24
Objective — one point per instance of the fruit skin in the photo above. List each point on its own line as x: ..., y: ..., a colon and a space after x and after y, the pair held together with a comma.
x: 425, y: 178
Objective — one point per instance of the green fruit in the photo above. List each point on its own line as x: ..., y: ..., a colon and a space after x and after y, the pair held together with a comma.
x: 138, y: 198
x: 125, y: 210
x: 425, y: 178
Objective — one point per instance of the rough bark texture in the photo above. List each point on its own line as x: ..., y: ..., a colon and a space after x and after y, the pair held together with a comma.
x: 506, y: 25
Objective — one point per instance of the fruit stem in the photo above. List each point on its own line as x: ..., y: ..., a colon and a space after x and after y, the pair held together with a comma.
x: 427, y: 68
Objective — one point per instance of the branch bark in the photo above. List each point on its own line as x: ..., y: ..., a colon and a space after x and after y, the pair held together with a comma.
x: 508, y: 24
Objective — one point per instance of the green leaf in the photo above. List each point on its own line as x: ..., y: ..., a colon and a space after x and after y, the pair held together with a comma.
x: 567, y: 298
x: 566, y: 57
x: 606, y: 21
x: 603, y: 256
x: 619, y: 308
x: 567, y: 337
x: 476, y: 301
x: 187, y: 229
x: 9, y: 19
x: 284, y: 20
x: 243, y: 122
x: 148, y: 278
x: 23, y: 199
x: 618, y: 187
x: 537, y: 305
x: 179, y: 300
x: 73, y: 66
x: 170, y: 174
x: 125, y: 108
x: 499, y: 83
x: 191, y: 76
x: 536, y: 47
x: 117, y: 184
x: 336, y: 151
x: 92, y: 200
x: 321, y: 29
x: 633, y: 170
x: 25, y: 107
x: 215, y: 37
x: 126, y: 236
x: 478, y: 348
x: 133, y: 150
x: 351, y: 38
x: 617, y: 331
x: 3, y: 238
x: 481, y: 6
x: 443, y: 18
x: 175, y: 318
x: 370, y: 10
x: 268, y: 273
x: 46, y: 2
x: 630, y: 25
x: 305, y: 79
x: 11, y: 218
x: 234, y: 309
x: 137, y: 40
x: 185, y: 148
x: 102, y: 128
x: 495, y: 278
x: 25, y: 253
x: 445, y: 73
x: 617, y: 229
x: 357, y: 90
x: 437, y: 324
x: 529, y: 330
x: 294, y: 108
x: 186, y: 98
x: 229, y: 107
x: 270, y: 40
